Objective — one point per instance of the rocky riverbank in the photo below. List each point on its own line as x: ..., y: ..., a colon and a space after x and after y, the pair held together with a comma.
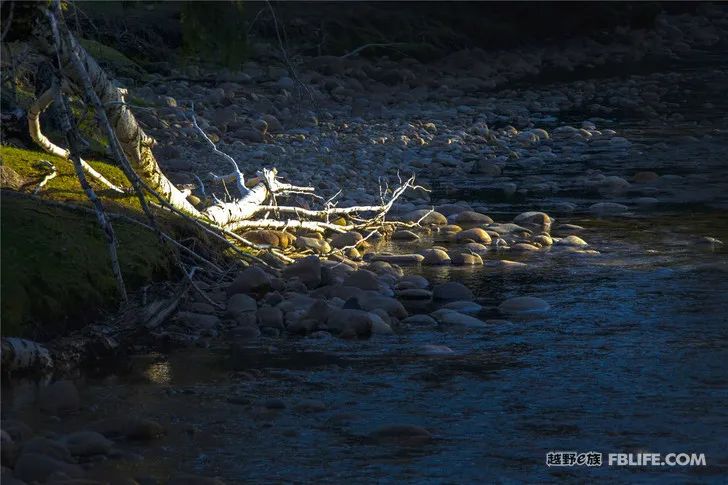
x: 545, y: 156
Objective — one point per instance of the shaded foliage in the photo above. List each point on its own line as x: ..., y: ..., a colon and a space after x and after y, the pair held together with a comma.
x: 215, y: 31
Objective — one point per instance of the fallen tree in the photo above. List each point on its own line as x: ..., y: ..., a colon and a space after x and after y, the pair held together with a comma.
x: 81, y: 76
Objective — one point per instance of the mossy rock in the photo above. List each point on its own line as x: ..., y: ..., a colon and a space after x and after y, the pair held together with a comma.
x: 56, y: 273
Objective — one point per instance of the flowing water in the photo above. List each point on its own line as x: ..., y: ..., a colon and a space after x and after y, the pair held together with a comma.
x: 631, y: 357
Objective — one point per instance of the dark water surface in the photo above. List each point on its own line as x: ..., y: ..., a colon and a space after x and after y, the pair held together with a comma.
x: 632, y: 356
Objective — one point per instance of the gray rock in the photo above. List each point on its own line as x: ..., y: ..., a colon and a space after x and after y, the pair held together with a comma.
x: 308, y: 270
x: 401, y: 259
x: 471, y: 217
x: 465, y: 259
x: 392, y: 306
x: 451, y: 317
x: 435, y: 350
x: 573, y: 241
x: 416, y: 281
x: 433, y: 257
x: 405, y: 235
x: 414, y: 294
x: 467, y: 307
x: 524, y: 247
x: 524, y: 305
x: 270, y: 317
x: 363, y: 279
x: 86, y: 443
x: 452, y: 290
x: 420, y: 320
x: 250, y: 280
x: 240, y: 303
x: 350, y: 323
x: 346, y: 239
x: 434, y: 218
x: 607, y: 208
x: 504, y: 263
x: 475, y: 234
x: 539, y: 219
x: 318, y: 246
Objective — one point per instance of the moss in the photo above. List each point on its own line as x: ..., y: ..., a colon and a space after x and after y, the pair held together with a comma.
x: 112, y: 58
x: 55, y: 267
x: 65, y: 186
x: 56, y: 272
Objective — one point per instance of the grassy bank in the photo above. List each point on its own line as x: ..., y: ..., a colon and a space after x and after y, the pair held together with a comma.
x: 56, y: 273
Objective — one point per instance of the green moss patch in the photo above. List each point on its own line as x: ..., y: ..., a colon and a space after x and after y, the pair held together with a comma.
x: 56, y: 273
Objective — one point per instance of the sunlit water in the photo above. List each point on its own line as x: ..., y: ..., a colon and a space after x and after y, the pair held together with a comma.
x: 631, y: 357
